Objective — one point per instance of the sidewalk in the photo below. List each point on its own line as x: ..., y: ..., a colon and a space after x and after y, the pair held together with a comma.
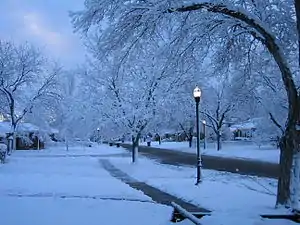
x: 231, y: 198
x: 49, y: 188
x: 154, y: 193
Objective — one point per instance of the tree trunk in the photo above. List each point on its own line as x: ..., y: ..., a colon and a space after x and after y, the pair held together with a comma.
x: 10, y: 139
x: 67, y: 143
x: 135, y: 148
x: 14, y: 135
x: 38, y: 143
x: 288, y: 182
x: 14, y: 141
x: 295, y: 181
x: 286, y: 160
x: 219, y: 141
x: 297, y: 9
x: 190, y: 141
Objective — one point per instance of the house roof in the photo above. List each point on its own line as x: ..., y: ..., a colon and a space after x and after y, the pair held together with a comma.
x: 242, y: 126
x: 27, y: 127
x: 5, y: 127
x: 247, y: 125
x: 54, y: 131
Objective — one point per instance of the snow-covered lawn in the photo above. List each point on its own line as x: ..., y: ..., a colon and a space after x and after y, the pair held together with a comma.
x: 45, y: 188
x: 234, y: 199
x: 57, y: 187
x: 238, y: 149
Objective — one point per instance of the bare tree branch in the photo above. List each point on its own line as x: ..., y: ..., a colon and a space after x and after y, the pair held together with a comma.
x: 276, y: 123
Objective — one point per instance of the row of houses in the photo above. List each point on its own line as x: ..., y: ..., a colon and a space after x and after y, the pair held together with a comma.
x: 234, y: 131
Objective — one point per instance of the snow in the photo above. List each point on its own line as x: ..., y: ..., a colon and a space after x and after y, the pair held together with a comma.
x: 54, y: 131
x: 24, y: 127
x: 238, y: 149
x: 55, y: 186
x: 58, y: 187
x: 5, y: 127
x: 234, y: 199
x: 236, y: 219
x: 247, y: 125
x: 78, y: 212
x: 3, y: 147
x: 242, y: 126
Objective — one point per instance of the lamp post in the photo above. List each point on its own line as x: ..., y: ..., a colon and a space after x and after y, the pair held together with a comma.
x: 197, y: 95
x: 204, y: 134
x: 98, y: 131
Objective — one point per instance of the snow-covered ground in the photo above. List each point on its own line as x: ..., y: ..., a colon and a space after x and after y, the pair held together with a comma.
x: 237, y: 149
x: 57, y: 187
x: 42, y: 187
x: 234, y: 199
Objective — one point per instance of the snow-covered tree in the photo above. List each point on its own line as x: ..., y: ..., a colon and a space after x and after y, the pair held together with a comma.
x: 234, y: 28
x: 25, y: 78
x: 134, y: 94
x: 225, y: 96
x: 216, y: 108
x: 72, y: 116
x: 179, y: 112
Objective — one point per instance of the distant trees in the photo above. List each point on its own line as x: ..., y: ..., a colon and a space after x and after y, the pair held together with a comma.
x: 217, y: 107
x: 180, y: 109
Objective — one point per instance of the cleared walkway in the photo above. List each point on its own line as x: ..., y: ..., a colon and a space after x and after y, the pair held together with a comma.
x: 154, y: 193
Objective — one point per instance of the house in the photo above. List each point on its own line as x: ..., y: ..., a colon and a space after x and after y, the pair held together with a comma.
x: 28, y: 135
x: 174, y: 135
x: 245, y: 130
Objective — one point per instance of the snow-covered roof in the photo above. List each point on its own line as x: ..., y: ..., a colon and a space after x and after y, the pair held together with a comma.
x: 247, y: 125
x: 54, y: 131
x: 168, y: 131
x: 27, y: 127
x: 243, y: 126
x: 5, y: 128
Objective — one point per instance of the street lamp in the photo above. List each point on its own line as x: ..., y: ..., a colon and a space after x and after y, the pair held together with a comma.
x: 98, y: 130
x: 204, y: 134
x: 197, y: 95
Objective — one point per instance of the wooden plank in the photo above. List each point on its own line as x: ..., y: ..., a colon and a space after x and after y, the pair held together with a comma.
x: 184, y: 213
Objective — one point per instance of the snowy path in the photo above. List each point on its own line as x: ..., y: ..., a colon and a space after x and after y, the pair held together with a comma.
x: 39, y: 188
x: 156, y: 194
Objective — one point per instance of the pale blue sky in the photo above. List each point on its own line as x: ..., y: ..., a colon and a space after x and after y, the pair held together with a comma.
x: 44, y: 23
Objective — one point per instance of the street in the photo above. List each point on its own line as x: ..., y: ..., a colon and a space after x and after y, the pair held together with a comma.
x: 234, y: 165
